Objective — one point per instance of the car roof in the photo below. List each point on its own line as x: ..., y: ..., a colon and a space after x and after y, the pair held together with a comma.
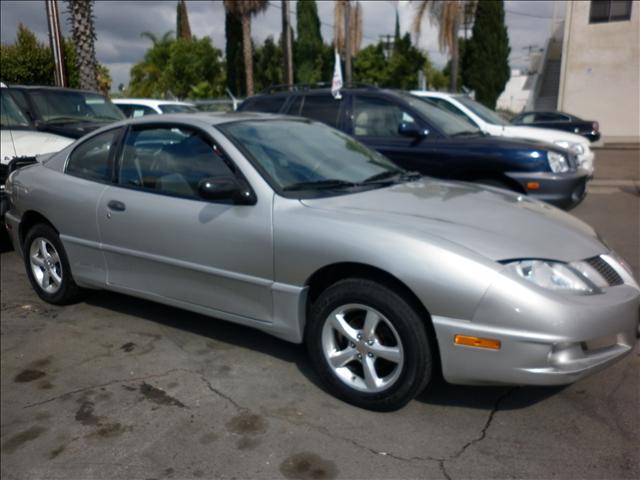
x: 200, y: 119
x: 148, y: 102
x: 323, y: 90
x: 55, y: 89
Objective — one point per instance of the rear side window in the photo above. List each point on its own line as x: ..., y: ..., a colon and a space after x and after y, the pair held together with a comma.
x: 265, y: 104
x: 170, y: 161
x: 92, y: 159
x: 294, y: 107
x: 136, y: 110
x: 323, y: 108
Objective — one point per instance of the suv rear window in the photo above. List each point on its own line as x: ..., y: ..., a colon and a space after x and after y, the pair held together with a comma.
x: 265, y: 104
x: 323, y: 108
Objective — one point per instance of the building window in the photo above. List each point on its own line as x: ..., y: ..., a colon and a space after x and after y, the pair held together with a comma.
x: 609, y: 11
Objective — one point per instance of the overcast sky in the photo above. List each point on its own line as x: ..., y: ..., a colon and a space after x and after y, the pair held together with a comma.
x: 119, y: 24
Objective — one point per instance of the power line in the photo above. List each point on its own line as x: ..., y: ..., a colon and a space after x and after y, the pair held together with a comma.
x: 512, y: 12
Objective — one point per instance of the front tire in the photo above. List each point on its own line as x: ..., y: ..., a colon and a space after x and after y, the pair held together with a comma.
x: 369, y: 345
x: 47, y: 266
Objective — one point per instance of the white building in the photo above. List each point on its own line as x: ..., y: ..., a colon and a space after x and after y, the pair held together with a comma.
x: 515, y: 95
x: 600, y: 71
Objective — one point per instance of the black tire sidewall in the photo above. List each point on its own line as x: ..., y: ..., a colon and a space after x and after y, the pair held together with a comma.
x: 416, y: 371
x: 68, y: 290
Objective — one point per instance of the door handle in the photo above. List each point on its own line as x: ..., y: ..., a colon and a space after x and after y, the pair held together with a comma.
x: 116, y: 206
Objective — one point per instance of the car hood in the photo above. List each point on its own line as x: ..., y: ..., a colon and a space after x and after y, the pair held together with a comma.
x: 543, y: 134
x: 495, y: 223
x: 28, y: 143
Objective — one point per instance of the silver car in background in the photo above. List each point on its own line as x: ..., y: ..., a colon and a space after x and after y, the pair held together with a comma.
x: 292, y: 227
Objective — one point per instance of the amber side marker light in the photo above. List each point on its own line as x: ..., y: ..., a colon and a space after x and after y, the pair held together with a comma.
x: 533, y: 185
x: 477, y: 342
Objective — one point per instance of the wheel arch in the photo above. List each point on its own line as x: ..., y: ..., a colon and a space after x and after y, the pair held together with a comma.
x: 28, y: 220
x: 326, y: 276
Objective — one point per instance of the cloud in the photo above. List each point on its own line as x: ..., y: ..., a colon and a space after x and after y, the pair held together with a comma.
x: 119, y: 25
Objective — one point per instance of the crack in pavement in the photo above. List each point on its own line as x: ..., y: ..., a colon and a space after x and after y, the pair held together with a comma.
x: 479, y: 438
x: 325, y: 431
x: 224, y: 396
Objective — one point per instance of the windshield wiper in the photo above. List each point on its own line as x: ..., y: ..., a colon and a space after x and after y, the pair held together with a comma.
x: 466, y: 133
x: 392, y: 176
x: 320, y: 185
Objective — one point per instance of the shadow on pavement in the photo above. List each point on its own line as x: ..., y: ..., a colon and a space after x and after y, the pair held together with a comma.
x: 437, y: 393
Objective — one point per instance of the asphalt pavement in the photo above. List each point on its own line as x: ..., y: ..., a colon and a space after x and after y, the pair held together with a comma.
x: 116, y: 387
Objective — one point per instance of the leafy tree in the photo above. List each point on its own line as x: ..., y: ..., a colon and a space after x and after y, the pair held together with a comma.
x: 104, y: 79
x: 308, y: 45
x: 404, y: 64
x: 268, y: 60
x: 27, y: 61
x: 487, y: 53
x: 146, y: 76
x: 181, y: 68
x: 30, y: 62
x: 192, y: 62
x: 370, y: 65
x: 183, y: 28
x: 400, y: 70
x: 244, y: 10
x: 83, y: 33
x: 233, y: 55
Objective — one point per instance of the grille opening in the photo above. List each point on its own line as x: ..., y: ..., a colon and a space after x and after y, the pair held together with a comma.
x: 607, y: 271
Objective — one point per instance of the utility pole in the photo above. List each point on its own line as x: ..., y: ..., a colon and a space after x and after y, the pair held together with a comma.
x: 347, y: 40
x: 55, y: 41
x: 286, y: 47
x: 388, y: 44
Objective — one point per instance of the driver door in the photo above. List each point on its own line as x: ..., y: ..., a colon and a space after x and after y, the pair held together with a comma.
x: 161, y: 239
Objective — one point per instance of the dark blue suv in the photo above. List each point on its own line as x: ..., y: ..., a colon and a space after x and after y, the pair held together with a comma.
x: 420, y: 136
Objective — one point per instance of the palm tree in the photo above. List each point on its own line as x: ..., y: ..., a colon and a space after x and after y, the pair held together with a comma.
x: 447, y: 14
x: 83, y: 33
x: 244, y: 10
x: 355, y: 27
x: 146, y: 76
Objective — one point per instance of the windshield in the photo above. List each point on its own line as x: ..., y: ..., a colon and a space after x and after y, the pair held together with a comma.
x: 483, y: 112
x: 305, y: 155
x: 65, y: 106
x: 10, y: 114
x: 449, y: 123
x: 176, y: 108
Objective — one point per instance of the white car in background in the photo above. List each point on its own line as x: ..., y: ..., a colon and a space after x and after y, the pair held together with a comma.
x: 139, y: 107
x: 19, y: 140
x: 490, y: 122
x: 18, y: 137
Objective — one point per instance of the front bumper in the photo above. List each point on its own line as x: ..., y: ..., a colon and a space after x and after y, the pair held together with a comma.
x: 564, y: 190
x: 545, y: 338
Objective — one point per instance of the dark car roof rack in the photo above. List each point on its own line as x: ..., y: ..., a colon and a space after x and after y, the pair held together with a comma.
x: 294, y: 87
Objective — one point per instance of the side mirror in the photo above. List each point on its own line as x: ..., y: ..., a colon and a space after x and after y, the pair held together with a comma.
x: 225, y: 188
x: 412, y: 130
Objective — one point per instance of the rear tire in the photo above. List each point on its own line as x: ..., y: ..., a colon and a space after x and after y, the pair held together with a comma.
x: 369, y: 345
x: 47, y: 266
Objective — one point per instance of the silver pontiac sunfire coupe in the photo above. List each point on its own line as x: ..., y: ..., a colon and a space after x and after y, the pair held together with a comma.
x: 296, y: 229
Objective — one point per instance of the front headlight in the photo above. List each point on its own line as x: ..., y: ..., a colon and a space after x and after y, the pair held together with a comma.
x: 557, y: 162
x: 576, y: 148
x: 558, y: 276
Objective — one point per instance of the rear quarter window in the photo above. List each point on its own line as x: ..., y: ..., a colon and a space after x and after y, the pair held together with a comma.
x: 322, y: 108
x: 92, y: 159
x: 265, y: 104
